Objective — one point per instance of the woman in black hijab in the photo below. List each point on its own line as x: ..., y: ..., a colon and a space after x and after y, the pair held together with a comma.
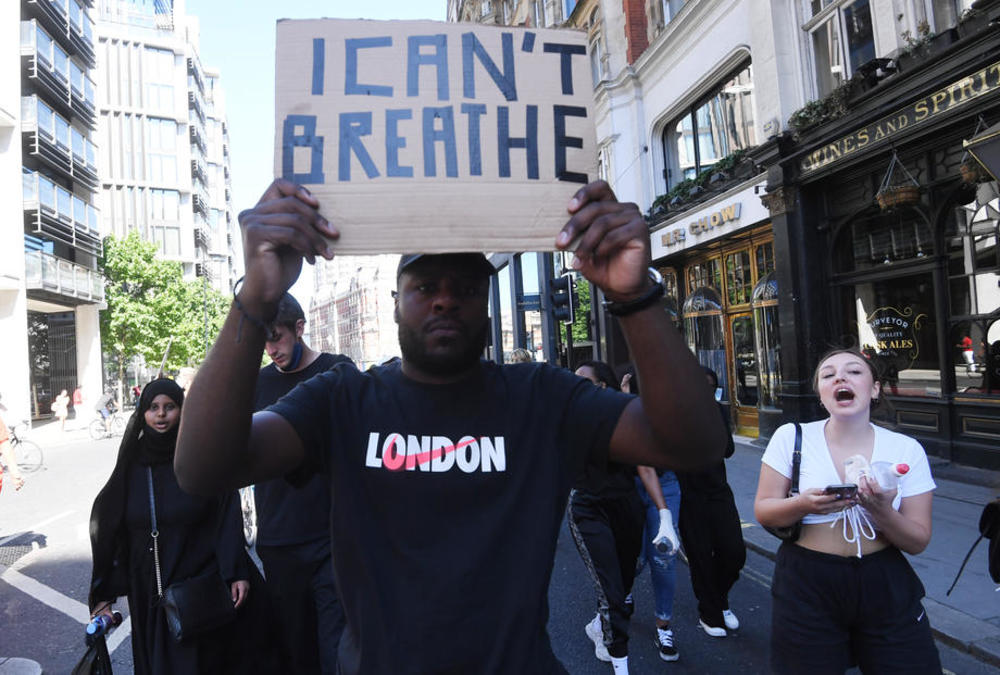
x: 196, y: 535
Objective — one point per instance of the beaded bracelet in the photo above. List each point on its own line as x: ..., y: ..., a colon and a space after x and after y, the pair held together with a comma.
x: 269, y: 334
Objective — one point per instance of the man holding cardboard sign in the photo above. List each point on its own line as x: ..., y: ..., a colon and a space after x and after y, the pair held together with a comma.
x: 449, y: 474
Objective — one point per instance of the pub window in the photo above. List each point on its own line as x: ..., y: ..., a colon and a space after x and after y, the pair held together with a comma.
x: 972, y: 237
x: 596, y: 47
x: 704, y: 332
x: 768, y: 339
x: 739, y: 277
x: 706, y: 274
x: 670, y: 296
x: 884, y: 239
x: 716, y: 126
x: 841, y: 37
x: 764, y: 255
x: 893, y: 322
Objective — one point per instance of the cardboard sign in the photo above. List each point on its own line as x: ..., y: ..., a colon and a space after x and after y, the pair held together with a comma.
x: 435, y: 137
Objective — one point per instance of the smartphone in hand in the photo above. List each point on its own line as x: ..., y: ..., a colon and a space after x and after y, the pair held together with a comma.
x: 845, y: 491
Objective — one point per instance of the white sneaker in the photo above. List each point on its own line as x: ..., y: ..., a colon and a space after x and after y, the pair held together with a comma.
x: 711, y: 630
x: 732, y: 623
x: 593, y: 631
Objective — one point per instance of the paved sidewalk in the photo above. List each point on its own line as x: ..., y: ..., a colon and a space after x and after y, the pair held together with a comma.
x: 968, y: 619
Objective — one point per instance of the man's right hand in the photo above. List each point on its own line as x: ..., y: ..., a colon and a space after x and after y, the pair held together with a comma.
x: 283, y: 228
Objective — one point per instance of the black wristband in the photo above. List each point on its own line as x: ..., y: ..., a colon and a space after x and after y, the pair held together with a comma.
x: 244, y: 315
x: 651, y: 296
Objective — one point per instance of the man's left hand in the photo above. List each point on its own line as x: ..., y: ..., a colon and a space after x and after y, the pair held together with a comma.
x: 613, y: 248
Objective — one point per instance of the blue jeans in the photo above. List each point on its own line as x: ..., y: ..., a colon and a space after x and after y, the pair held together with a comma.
x: 661, y: 567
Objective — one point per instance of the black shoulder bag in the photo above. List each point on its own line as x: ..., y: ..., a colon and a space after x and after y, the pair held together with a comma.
x: 791, y: 532
x: 194, y: 606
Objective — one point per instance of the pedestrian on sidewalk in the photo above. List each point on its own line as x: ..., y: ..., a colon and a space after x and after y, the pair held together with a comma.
x: 712, y: 536
x: 660, y: 496
x: 195, y: 536
x: 449, y: 474
x: 61, y: 408
x: 293, y: 521
x: 843, y: 593
x: 605, y: 518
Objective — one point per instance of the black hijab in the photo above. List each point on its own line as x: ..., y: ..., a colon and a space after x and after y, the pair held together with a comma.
x: 141, y: 445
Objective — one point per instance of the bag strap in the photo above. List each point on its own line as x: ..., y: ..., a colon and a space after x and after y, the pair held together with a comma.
x: 154, y: 532
x: 796, y: 460
x: 960, y: 569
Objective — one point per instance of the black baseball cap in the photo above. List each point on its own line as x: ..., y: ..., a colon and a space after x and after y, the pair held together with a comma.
x: 474, y: 260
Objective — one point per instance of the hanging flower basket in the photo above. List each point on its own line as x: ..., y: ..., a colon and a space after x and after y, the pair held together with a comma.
x: 891, y: 194
x: 894, y: 197
x: 971, y: 170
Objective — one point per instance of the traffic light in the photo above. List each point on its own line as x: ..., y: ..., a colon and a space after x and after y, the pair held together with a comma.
x: 562, y: 298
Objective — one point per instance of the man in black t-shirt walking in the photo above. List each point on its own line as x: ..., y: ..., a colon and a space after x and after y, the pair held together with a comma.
x: 293, y: 523
x: 449, y: 475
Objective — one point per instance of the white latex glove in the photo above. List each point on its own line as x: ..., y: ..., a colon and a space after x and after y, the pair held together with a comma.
x: 665, y: 540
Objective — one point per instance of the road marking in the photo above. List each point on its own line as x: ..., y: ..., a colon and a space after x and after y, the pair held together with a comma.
x: 756, y: 577
x: 35, y: 527
x: 74, y: 609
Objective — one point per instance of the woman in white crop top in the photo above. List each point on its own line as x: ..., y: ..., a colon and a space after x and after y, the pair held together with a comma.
x: 830, y: 613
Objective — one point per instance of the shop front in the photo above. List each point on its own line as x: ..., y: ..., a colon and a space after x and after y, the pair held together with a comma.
x: 718, y: 265
x: 895, y: 235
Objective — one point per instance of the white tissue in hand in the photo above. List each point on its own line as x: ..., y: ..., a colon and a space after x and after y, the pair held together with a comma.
x: 665, y: 540
x: 855, y: 467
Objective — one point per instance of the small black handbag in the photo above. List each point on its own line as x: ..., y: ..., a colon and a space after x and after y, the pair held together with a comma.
x: 791, y: 532
x: 194, y: 606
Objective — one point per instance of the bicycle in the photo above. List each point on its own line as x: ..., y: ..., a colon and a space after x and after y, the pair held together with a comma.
x: 28, y: 453
x: 115, y: 426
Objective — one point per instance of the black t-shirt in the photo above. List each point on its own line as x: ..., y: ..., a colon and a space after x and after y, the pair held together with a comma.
x: 285, y: 514
x: 447, y: 500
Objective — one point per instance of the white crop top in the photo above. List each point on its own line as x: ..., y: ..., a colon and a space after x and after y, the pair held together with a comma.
x: 817, y: 469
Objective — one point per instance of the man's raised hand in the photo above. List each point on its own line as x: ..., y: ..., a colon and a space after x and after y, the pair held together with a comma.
x: 283, y: 228
x: 613, y: 247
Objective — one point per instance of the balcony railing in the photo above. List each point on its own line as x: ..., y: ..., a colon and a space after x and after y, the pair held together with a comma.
x: 51, y: 139
x: 46, y: 272
x: 197, y: 138
x: 198, y: 172
x: 59, y: 214
x: 49, y: 68
x: 199, y: 202
x: 68, y: 23
x: 196, y: 104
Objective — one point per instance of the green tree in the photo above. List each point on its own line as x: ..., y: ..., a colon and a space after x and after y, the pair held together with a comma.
x: 149, y: 305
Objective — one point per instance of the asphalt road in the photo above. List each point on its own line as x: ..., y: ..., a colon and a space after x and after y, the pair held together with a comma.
x: 45, y: 572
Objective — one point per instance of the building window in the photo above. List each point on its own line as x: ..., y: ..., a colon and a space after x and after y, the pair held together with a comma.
x: 568, y: 7
x: 946, y: 13
x: 538, y: 10
x: 485, y: 8
x: 161, y: 150
x: 973, y: 244
x: 717, y: 126
x: 739, y: 277
x: 706, y: 274
x: 158, y: 70
x: 671, y: 8
x: 842, y: 39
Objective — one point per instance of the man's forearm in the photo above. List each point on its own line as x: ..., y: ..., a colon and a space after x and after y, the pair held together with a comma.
x: 218, y: 408
x: 675, y: 398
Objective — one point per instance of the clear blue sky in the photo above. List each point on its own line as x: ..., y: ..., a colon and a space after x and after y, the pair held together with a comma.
x: 238, y: 40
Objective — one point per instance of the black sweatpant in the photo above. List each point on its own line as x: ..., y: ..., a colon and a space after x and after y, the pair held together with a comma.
x: 713, y: 542
x: 308, y: 615
x: 608, y: 535
x: 830, y: 613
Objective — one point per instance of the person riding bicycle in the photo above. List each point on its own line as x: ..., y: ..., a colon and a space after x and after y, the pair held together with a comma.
x: 8, y: 459
x: 106, y: 407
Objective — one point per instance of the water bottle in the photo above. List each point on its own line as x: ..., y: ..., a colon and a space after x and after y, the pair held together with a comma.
x: 100, y: 625
x: 888, y: 474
